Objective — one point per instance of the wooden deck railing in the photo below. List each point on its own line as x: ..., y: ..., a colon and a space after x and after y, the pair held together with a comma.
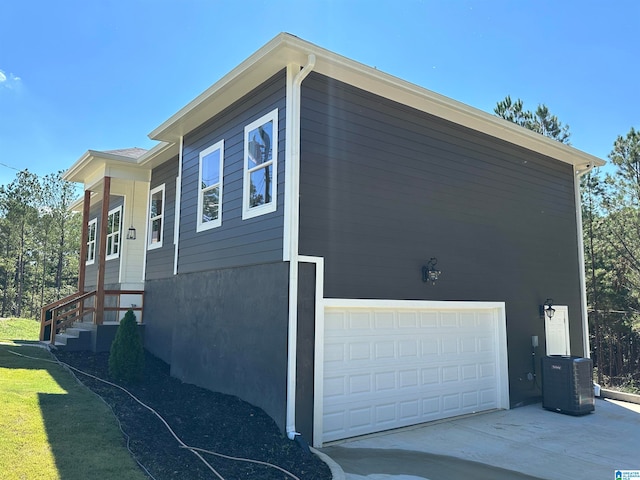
x: 63, y: 313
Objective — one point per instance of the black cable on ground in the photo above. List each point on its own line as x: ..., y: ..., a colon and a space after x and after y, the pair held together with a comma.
x: 193, y: 450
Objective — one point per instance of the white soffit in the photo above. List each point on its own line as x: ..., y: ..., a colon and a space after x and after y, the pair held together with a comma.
x: 94, y: 165
x: 286, y: 49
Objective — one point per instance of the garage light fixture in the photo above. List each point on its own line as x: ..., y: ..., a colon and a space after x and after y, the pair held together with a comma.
x: 429, y: 272
x: 547, y: 308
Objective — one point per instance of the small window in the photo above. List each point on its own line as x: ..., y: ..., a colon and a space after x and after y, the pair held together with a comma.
x: 210, y: 187
x: 91, y: 241
x: 156, y: 217
x: 113, y: 233
x: 260, y: 166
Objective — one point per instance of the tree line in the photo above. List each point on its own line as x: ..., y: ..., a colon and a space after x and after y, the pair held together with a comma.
x: 39, y: 243
x: 611, y: 237
x: 611, y: 224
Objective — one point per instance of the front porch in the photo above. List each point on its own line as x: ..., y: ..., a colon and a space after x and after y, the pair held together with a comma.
x: 74, y: 324
x: 111, y: 265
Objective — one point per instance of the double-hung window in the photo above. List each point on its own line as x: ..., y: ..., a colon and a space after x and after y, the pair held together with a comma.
x: 260, y: 166
x: 113, y: 233
x: 156, y: 217
x: 210, y: 187
x: 91, y: 241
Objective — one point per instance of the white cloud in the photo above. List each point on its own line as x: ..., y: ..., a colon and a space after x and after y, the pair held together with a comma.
x: 8, y: 80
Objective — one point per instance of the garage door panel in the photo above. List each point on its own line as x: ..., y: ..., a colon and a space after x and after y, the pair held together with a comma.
x: 359, y: 321
x: 334, y: 353
x: 488, y: 397
x: 359, y: 352
x: 410, y: 374
x: 408, y: 378
x: 449, y: 319
x: 386, y: 381
x: 407, y: 320
x: 347, y: 391
x: 429, y: 319
x: 391, y: 368
x: 429, y: 347
x: 384, y: 349
x: 356, y: 420
x: 383, y: 320
x: 334, y: 387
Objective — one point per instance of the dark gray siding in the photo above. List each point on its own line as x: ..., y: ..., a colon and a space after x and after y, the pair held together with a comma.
x: 112, y: 267
x: 218, y: 333
x: 384, y: 187
x: 305, y: 352
x: 160, y: 260
x: 237, y: 242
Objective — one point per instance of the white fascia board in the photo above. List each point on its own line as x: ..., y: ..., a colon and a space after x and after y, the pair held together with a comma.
x: 406, y: 93
x: 239, y: 81
x: 285, y: 49
x: 159, y: 154
x: 71, y: 175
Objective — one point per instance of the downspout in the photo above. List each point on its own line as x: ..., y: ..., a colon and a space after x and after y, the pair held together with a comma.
x: 294, y: 179
x: 583, y: 283
x: 178, y: 209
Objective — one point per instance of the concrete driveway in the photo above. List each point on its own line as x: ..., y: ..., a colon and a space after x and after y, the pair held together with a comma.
x: 522, y: 444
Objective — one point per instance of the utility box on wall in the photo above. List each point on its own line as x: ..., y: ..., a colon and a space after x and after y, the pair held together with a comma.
x: 567, y: 384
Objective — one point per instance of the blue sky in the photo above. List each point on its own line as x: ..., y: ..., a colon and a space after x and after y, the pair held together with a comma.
x: 78, y: 74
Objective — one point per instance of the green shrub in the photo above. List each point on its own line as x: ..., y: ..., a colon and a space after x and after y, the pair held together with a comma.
x: 126, y: 358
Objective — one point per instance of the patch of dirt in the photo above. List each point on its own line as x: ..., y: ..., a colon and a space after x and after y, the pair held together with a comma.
x: 202, y: 419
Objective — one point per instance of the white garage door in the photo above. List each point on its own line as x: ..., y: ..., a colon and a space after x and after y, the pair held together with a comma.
x: 390, y: 364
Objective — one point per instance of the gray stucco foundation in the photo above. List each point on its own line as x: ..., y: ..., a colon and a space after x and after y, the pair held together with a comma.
x: 225, y: 330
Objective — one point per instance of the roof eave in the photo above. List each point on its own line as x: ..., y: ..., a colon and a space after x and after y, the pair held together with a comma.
x: 159, y: 154
x: 265, y: 62
x: 286, y: 49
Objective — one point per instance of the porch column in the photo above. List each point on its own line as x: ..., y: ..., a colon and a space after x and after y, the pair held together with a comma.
x: 83, y: 243
x: 99, y: 304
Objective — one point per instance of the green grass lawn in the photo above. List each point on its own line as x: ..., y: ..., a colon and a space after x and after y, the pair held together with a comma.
x: 21, y: 329
x: 51, y: 427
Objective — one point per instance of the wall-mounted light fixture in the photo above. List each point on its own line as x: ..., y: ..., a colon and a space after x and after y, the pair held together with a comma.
x: 429, y: 271
x: 131, y: 233
x: 547, y: 309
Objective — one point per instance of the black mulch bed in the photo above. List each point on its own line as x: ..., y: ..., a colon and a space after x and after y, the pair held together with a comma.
x: 202, y: 419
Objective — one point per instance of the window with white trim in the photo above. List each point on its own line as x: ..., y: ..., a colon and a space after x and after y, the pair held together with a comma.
x: 113, y: 233
x: 91, y: 241
x: 210, y: 187
x: 156, y: 218
x: 260, y: 166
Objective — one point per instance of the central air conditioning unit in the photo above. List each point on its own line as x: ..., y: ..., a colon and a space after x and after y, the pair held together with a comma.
x: 567, y: 384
